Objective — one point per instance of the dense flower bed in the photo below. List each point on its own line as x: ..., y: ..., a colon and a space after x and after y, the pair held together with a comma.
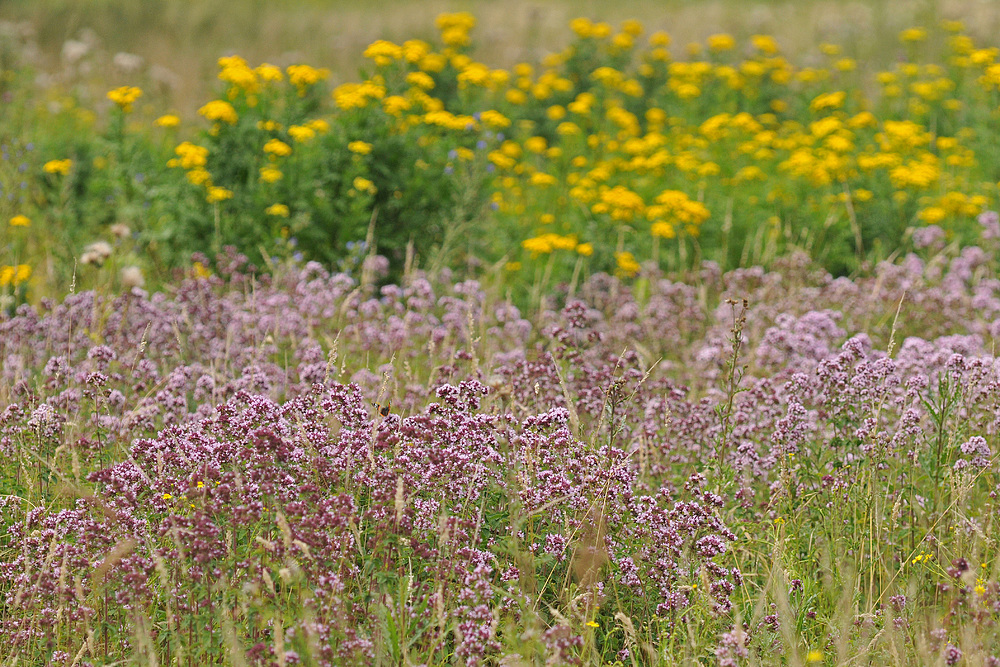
x: 302, y: 467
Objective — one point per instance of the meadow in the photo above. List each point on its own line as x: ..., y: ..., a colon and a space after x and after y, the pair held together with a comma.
x: 638, y: 351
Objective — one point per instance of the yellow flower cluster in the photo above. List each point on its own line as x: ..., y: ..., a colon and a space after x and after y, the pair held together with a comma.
x: 14, y: 275
x: 303, y: 77
x: 350, y: 96
x: 189, y: 156
x: 235, y: 70
x: 627, y: 146
x: 362, y: 184
x: 625, y: 264
x: 125, y: 97
x: 277, y: 148
x: 455, y: 28
x: 545, y: 244
x: 359, y: 147
x: 167, y: 120
x: 215, y: 194
x: 219, y: 110
x: 61, y: 167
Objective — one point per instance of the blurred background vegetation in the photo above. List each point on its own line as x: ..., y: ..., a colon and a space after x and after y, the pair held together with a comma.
x: 182, y: 39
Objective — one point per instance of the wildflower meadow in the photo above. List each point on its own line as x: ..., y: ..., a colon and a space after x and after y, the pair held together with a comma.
x: 638, y: 353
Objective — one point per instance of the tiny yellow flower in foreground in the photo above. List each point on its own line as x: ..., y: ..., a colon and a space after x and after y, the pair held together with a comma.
x: 167, y: 496
x: 359, y: 147
x: 592, y: 624
x: 57, y: 166
x: 814, y: 656
x: 20, y: 220
x: 277, y: 209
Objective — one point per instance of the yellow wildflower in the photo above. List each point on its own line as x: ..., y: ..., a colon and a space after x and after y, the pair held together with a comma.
x: 20, y: 220
x: 721, y: 42
x: 279, y: 210
x: 359, y: 147
x: 395, y: 105
x: 190, y: 156
x: 833, y: 100
x: 583, y: 27
x: 421, y: 80
x: 277, y: 147
x: 541, y: 179
x: 269, y: 73
x: 303, y: 76
x: 216, y: 194
x: 301, y: 133
x: 21, y: 274
x: 219, y: 110
x: 627, y: 267
x: 913, y: 35
x: 270, y: 174
x: 494, y: 119
x: 383, y: 52
x: 515, y: 96
x: 125, y: 97
x: 539, y: 245
x: 167, y: 120
x: 57, y: 166
x: 362, y: 184
x: 236, y: 71
x: 663, y: 230
x: 199, y: 176
x: 765, y: 44
x: 319, y: 126
x: 200, y: 270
